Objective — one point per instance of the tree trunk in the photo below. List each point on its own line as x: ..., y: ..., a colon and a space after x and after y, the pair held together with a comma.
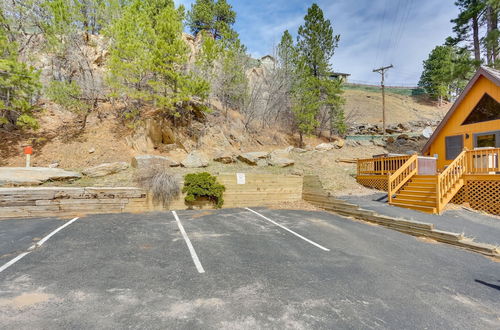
x: 475, y: 33
x: 493, y: 28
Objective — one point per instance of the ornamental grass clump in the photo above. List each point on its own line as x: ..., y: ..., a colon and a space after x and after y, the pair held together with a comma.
x: 203, y: 185
x: 162, y: 185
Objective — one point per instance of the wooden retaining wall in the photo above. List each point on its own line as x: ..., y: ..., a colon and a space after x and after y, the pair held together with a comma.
x: 258, y: 190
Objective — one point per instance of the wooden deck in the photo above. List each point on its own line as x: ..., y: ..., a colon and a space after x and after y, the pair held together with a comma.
x: 473, y: 178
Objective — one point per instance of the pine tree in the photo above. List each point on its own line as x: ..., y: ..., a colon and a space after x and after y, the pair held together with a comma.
x: 316, y: 41
x: 287, y: 53
x: 232, y: 82
x: 467, y: 24
x: 478, y: 20
x: 314, y: 92
x: 148, y: 58
x: 491, y: 40
x: 214, y: 17
x: 19, y: 83
x: 446, y: 71
x: 224, y: 19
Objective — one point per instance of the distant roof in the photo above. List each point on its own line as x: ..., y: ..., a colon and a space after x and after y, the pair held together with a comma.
x: 490, y: 74
x: 339, y: 74
x: 267, y: 56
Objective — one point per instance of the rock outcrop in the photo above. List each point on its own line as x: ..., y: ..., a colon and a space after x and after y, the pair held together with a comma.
x: 145, y: 161
x: 33, y: 176
x: 254, y: 158
x: 280, y: 161
x: 195, y: 160
x: 105, y: 169
x: 224, y: 157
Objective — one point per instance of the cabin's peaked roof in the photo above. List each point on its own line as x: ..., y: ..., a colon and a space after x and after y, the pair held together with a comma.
x: 489, y: 73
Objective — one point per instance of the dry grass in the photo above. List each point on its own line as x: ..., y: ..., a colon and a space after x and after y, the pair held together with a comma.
x: 163, y: 186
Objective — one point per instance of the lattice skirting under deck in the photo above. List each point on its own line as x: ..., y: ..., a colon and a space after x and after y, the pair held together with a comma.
x: 373, y: 181
x: 481, y: 195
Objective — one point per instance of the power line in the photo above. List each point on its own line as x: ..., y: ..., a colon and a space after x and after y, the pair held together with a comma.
x: 379, y: 44
x: 393, y: 29
x: 402, y: 26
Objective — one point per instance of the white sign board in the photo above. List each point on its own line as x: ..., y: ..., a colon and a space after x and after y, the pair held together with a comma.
x: 240, y: 178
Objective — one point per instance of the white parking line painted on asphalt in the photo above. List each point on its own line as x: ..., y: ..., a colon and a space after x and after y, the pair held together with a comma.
x: 46, y: 238
x: 13, y: 261
x: 196, y: 261
x: 39, y: 243
x: 289, y: 230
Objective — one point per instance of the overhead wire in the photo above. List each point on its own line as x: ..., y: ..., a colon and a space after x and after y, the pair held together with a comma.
x: 402, y: 27
x: 381, y: 30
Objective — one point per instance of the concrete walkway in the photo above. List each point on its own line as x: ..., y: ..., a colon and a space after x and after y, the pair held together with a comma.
x: 483, y: 228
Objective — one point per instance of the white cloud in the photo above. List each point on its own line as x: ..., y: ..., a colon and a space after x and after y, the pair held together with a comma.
x: 369, y: 38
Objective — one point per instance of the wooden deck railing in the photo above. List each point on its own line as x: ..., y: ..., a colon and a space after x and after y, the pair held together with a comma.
x: 402, y: 176
x: 483, y: 161
x: 448, y: 179
x: 381, y: 166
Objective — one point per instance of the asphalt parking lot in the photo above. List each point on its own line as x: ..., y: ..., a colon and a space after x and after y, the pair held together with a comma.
x: 237, y: 269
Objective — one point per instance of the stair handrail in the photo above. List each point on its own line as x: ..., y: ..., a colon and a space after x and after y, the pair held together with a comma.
x: 399, y: 178
x: 450, y: 177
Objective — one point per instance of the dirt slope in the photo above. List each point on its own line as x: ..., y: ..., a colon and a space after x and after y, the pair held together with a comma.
x: 365, y: 107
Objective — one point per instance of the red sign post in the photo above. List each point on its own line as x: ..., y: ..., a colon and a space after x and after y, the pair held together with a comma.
x: 28, y: 151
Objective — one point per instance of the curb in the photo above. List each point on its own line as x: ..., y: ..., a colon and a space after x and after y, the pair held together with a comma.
x: 323, y: 200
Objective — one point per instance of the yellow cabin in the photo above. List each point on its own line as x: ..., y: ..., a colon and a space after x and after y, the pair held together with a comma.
x: 461, y: 162
x: 472, y: 123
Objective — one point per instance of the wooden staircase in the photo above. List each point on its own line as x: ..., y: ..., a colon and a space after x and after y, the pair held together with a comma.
x: 424, y: 192
x: 418, y: 194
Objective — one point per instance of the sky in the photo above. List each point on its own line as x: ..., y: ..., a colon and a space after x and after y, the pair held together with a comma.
x: 373, y: 33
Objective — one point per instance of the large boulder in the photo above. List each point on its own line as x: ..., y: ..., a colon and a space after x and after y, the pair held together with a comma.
x: 252, y: 158
x: 299, y: 150
x: 32, y: 176
x: 105, y: 169
x: 195, y: 160
x: 280, y: 161
x: 325, y: 147
x: 339, y: 143
x: 224, y: 157
x: 145, y: 161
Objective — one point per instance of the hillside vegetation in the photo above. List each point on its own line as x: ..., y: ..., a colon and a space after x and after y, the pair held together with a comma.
x: 91, y: 88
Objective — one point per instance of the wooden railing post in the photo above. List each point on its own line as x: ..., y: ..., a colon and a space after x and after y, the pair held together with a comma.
x: 389, y: 187
x: 438, y: 194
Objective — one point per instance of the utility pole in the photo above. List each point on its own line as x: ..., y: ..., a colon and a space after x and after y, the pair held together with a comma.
x: 382, y: 72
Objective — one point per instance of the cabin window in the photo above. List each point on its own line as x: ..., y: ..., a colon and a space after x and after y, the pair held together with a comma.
x: 487, y: 140
x: 487, y: 109
x: 454, y: 146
